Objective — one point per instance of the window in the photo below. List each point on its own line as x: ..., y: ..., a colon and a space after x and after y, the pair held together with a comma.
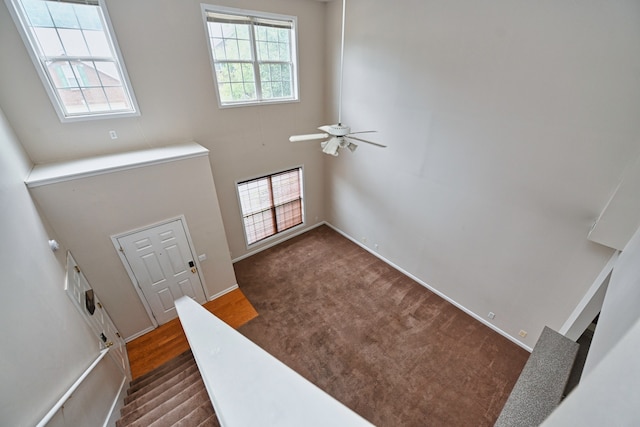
x: 253, y: 55
x: 271, y: 204
x: 76, y: 57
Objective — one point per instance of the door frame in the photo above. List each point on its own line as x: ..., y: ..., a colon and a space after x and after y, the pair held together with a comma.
x: 132, y: 277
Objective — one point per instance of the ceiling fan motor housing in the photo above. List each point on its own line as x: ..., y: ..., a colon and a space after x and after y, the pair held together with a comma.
x: 336, y: 130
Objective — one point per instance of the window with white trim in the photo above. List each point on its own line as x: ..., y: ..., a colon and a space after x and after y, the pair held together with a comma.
x: 76, y: 56
x: 253, y: 55
x: 271, y: 204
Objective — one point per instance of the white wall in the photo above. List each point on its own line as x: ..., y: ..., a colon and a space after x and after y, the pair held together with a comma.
x: 86, y: 212
x: 509, y: 125
x: 164, y: 46
x: 608, y: 392
x: 46, y: 344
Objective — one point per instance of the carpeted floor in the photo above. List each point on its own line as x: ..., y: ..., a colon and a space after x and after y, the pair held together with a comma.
x: 374, y: 339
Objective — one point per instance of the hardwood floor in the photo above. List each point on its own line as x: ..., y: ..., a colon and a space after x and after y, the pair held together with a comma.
x: 168, y: 341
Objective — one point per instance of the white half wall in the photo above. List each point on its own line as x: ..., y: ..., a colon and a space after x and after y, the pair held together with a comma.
x: 620, y: 307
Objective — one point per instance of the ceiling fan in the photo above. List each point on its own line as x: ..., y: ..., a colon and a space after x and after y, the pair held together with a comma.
x: 339, y: 136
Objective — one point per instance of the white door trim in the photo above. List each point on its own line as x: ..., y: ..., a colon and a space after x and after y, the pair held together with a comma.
x: 132, y: 277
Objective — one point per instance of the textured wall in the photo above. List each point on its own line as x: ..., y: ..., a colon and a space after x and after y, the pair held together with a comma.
x: 509, y: 124
x: 46, y: 343
x: 172, y: 78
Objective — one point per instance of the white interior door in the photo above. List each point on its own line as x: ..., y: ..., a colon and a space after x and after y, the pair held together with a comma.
x: 99, y: 320
x: 164, y: 267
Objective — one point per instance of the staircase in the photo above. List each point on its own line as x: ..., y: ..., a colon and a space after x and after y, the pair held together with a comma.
x: 170, y: 395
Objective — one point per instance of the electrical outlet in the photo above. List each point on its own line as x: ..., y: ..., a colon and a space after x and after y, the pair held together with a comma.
x: 376, y: 246
x: 523, y: 333
x: 364, y: 240
x: 491, y: 315
x: 113, y: 134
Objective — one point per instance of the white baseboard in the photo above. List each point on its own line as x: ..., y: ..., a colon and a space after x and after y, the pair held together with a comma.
x: 118, y: 403
x: 277, y: 242
x: 435, y: 291
x: 226, y: 291
x: 139, y: 334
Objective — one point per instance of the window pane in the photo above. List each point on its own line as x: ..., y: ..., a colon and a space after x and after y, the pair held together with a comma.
x: 272, y: 34
x: 259, y: 226
x: 73, y: 101
x: 276, y: 80
x: 62, y: 74
x: 98, y: 43
x: 63, y: 15
x: 96, y: 99
x: 247, y: 73
x: 285, y: 52
x: 255, y: 196
x: 73, y: 42
x: 108, y: 73
x: 217, y: 49
x: 215, y: 29
x: 86, y: 75
x: 286, y: 91
x: 276, y: 89
x: 118, y: 99
x: 238, y: 92
x: 49, y: 41
x: 265, y: 73
x: 267, y: 93
x: 273, y: 44
x: 286, y: 187
x: 88, y: 17
x: 38, y: 13
x: 228, y: 30
x: 263, y: 51
x: 289, y: 215
x: 225, y: 92
x: 244, y: 50
x: 236, y: 82
x: 222, y: 73
x: 231, y: 49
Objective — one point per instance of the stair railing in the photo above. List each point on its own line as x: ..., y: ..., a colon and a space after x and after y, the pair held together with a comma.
x: 71, y: 390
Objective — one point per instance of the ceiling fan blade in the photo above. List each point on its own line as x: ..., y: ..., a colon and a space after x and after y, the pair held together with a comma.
x: 309, y: 137
x: 368, y: 142
x: 363, y: 131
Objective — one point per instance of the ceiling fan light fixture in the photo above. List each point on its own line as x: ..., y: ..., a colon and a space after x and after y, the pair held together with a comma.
x: 352, y: 146
x: 331, y: 146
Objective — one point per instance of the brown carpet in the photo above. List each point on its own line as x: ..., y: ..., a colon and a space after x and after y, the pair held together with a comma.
x: 374, y: 339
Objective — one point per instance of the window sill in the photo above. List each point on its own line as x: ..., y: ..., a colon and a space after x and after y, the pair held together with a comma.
x: 258, y: 103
